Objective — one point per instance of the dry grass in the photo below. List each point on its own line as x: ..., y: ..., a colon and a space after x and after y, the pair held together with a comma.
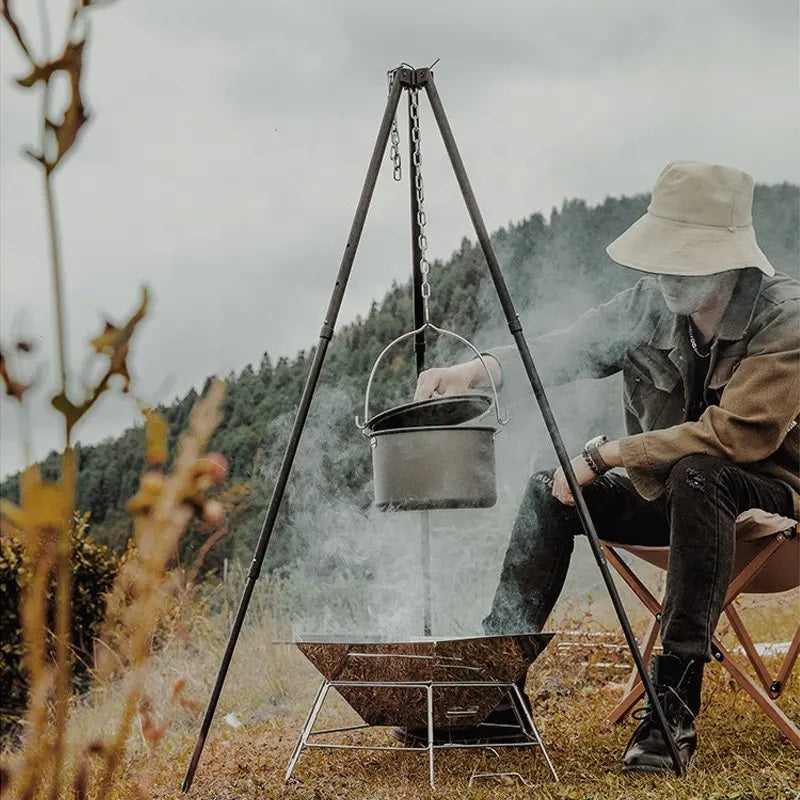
x: 45, y: 763
x: 270, y: 688
x: 132, y: 736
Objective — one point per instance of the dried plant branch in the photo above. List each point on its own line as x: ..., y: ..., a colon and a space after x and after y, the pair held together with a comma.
x: 113, y: 342
x: 63, y: 134
x: 16, y: 31
x: 44, y: 513
x: 63, y: 626
x: 162, y: 508
x: 162, y: 512
x: 58, y: 291
x: 203, y: 551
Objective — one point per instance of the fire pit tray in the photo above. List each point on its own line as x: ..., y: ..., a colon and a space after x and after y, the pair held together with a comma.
x: 370, y: 660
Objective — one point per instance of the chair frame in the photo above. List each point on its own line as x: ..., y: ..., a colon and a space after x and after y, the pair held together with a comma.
x: 771, y: 687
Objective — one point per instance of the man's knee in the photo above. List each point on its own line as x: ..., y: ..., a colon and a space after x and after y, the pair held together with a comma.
x: 539, y: 503
x: 693, y: 473
x: 539, y: 493
x: 542, y: 483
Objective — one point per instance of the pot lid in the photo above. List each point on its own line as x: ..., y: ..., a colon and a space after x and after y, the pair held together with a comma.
x: 449, y: 410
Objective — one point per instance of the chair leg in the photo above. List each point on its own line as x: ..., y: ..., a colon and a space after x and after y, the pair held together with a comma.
x: 747, y: 644
x: 762, y: 699
x: 634, y: 689
x: 632, y: 579
x: 786, y: 668
x: 647, y: 645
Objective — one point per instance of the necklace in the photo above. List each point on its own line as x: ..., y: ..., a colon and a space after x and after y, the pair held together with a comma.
x: 693, y: 341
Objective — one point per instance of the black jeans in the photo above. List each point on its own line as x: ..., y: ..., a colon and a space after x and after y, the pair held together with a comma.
x: 695, y: 517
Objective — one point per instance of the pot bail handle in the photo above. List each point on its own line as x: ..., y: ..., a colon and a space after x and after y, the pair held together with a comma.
x: 501, y: 420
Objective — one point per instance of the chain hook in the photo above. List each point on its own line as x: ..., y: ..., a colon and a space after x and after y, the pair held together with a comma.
x: 419, y: 186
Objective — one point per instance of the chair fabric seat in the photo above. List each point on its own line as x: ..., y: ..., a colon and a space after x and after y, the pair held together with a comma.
x: 754, y: 529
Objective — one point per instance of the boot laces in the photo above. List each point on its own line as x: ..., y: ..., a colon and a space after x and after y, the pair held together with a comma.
x: 670, y: 700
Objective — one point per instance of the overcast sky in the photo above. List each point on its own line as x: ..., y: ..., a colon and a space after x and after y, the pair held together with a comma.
x: 229, y: 141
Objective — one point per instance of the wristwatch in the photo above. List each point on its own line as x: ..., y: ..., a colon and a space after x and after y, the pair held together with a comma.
x: 591, y: 455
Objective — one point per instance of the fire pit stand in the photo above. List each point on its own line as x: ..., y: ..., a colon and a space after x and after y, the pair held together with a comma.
x: 430, y: 695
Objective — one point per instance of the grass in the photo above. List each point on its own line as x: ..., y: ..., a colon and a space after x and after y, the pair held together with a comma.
x: 270, y: 688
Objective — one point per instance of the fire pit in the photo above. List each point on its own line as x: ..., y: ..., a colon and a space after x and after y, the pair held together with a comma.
x: 483, y: 660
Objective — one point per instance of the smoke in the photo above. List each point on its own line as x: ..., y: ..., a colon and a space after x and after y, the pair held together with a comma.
x: 582, y: 409
x: 357, y: 571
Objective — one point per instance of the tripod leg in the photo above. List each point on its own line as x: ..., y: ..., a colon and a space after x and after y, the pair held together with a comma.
x: 515, y: 326
x: 302, y: 413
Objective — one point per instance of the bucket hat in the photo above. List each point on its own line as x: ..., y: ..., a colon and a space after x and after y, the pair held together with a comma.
x: 699, y: 222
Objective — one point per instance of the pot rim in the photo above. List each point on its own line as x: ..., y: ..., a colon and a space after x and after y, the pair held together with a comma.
x: 476, y: 405
x: 428, y: 428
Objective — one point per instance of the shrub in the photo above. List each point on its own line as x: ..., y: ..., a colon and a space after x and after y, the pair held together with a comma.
x: 95, y: 567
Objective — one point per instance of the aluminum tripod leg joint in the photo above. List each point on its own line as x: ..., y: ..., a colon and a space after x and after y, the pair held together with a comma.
x: 411, y: 78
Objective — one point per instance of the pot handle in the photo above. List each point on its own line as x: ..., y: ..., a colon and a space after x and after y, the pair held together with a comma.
x: 501, y: 420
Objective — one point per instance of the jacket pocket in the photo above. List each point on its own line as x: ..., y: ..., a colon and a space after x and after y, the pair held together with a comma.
x: 646, y: 395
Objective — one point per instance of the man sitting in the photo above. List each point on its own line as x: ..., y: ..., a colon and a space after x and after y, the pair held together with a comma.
x: 709, y: 345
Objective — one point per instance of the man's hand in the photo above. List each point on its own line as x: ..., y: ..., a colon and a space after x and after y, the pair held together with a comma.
x: 457, y: 379
x: 445, y: 380
x: 583, y: 472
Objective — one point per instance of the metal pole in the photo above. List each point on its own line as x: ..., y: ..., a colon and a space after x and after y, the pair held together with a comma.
x: 419, y: 353
x: 515, y: 326
x: 425, y: 558
x: 302, y: 413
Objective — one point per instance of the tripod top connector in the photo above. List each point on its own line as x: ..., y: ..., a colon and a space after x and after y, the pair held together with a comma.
x: 411, y: 78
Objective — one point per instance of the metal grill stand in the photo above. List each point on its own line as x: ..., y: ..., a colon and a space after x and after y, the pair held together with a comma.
x: 501, y: 689
x: 405, y: 78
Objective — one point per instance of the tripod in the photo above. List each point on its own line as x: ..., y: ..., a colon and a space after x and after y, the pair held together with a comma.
x: 406, y: 78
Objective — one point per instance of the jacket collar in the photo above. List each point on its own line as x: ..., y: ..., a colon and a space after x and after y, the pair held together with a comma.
x: 670, y: 329
x: 742, y: 306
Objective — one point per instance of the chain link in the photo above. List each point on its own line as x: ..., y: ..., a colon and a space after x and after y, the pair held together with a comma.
x: 422, y: 241
x: 394, y: 153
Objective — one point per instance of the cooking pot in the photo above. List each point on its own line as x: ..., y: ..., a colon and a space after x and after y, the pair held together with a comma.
x: 433, y: 454
x: 416, y: 469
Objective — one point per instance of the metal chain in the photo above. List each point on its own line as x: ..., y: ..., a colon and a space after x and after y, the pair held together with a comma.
x: 422, y: 241
x: 394, y: 153
x: 693, y: 341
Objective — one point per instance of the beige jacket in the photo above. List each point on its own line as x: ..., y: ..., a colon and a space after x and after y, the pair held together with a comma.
x: 752, y: 387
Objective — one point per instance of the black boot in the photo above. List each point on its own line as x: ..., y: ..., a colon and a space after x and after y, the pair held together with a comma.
x: 677, y: 684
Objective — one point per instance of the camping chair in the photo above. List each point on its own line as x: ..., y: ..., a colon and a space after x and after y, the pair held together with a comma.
x: 767, y: 561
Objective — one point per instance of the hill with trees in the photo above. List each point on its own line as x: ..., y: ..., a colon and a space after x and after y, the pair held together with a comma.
x: 555, y: 268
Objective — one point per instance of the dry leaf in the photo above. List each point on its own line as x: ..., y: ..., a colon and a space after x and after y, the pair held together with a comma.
x: 114, y: 341
x: 45, y: 508
x: 75, y: 116
x: 14, y: 388
x: 155, y: 433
